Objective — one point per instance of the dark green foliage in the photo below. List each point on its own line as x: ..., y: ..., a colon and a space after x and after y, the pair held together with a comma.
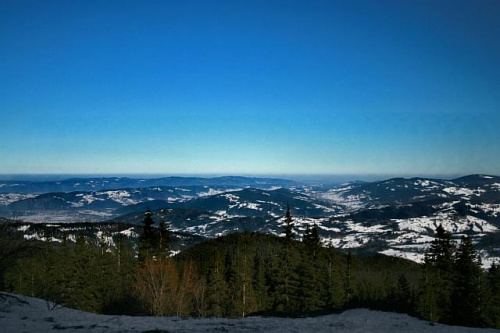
x: 286, y: 280
x: 148, y: 240
x: 164, y: 239
x: 347, y: 280
x: 310, y: 269
x: 403, y: 295
x: 494, y: 287
x: 83, y: 275
x: 122, y: 270
x: 469, y: 294
x: 436, y: 286
x: 332, y: 283
x: 240, y: 274
x: 289, y: 234
x: 260, y: 279
x: 153, y: 242
x: 216, y: 287
x: 375, y: 281
x: 311, y: 239
x: 309, y: 290
x: 454, y: 289
x: 12, y: 247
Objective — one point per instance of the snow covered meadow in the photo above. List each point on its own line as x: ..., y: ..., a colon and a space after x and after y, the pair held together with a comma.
x: 25, y: 314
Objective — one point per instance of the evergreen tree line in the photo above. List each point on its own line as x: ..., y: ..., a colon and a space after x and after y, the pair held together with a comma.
x: 91, y: 276
x: 454, y: 289
x: 249, y: 273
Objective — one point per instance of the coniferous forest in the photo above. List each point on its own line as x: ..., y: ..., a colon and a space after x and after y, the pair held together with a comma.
x: 245, y: 274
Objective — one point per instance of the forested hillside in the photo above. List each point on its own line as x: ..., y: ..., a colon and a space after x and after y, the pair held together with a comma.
x: 248, y: 273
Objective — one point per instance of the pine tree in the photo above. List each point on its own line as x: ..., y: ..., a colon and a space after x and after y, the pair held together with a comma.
x: 307, y: 235
x: 82, y: 289
x: 122, y: 266
x: 231, y: 279
x: 333, y: 286
x: 315, y: 239
x: 216, y: 287
x: 12, y: 246
x: 245, y: 301
x: 124, y: 262
x: 312, y: 240
x: 348, y: 289
x: 442, y: 250
x: 260, y: 286
x: 309, y: 296
x: 106, y: 280
x: 309, y: 293
x: 494, y: 287
x: 403, y: 294
x: 289, y: 234
x: 287, y: 281
x: 469, y: 297
x: 60, y: 272
x: 436, y: 286
x: 148, y: 238
x: 164, y: 239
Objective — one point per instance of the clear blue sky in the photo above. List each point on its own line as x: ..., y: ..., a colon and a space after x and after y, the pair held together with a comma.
x: 250, y: 87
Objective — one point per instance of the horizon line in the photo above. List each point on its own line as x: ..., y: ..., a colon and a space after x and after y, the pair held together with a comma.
x: 311, y: 176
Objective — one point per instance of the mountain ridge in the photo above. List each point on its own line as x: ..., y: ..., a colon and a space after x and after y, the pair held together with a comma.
x: 395, y: 216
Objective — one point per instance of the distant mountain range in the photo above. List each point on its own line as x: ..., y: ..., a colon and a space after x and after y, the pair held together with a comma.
x: 396, y: 216
x: 113, y: 183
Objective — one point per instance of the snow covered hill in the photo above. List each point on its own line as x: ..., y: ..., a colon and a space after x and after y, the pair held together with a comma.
x: 25, y: 314
x: 396, y: 217
x: 98, y: 232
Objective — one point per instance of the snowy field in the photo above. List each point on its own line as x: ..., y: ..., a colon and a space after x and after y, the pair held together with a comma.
x: 25, y: 314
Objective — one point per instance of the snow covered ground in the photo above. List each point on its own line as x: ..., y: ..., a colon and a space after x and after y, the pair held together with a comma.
x: 25, y: 314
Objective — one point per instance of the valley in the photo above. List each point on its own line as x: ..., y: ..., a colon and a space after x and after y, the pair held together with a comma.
x: 396, y: 217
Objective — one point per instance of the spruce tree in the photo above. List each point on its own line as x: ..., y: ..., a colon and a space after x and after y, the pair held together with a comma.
x: 123, y: 273
x: 403, y: 294
x: 60, y: 272
x: 287, y: 281
x: 147, y: 240
x: 309, y: 294
x: 82, y: 284
x: 312, y: 240
x: 260, y: 286
x: 289, y: 234
x: 436, y: 286
x: 494, y: 288
x: 245, y: 300
x: 348, y: 280
x: 469, y: 296
x: 106, y: 280
x: 315, y: 239
x: 216, y: 287
x: 164, y: 239
x: 333, y: 284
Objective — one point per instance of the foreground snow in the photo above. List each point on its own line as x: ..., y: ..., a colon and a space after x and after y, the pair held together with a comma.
x: 26, y: 314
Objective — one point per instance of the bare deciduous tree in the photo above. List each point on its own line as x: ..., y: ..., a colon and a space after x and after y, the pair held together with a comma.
x: 157, y: 284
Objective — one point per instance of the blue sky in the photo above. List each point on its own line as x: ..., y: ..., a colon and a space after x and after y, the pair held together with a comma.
x: 250, y: 87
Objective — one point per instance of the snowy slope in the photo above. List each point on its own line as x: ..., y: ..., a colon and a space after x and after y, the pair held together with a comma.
x: 397, y: 216
x: 25, y: 314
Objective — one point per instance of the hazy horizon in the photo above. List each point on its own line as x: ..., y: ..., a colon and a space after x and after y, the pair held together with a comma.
x: 309, y: 178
